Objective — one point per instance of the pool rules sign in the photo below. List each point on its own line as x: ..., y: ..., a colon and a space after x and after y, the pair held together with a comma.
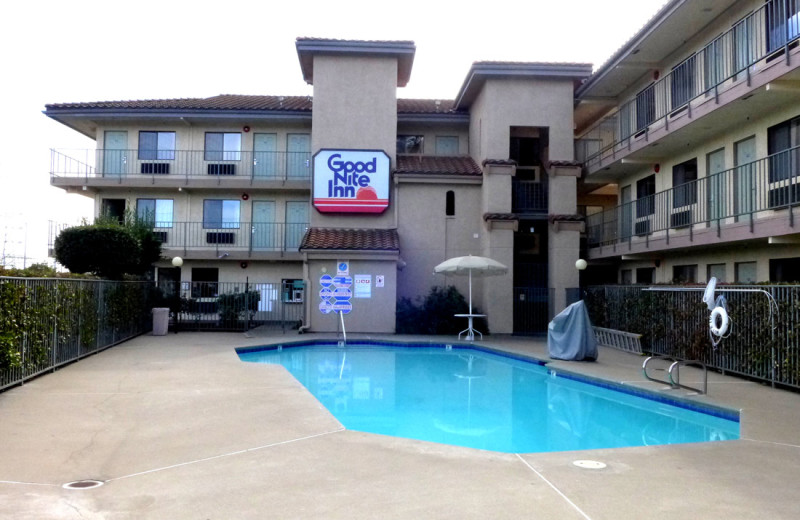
x: 351, y: 181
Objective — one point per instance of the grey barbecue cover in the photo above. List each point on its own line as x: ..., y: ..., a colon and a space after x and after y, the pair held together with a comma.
x: 570, y: 335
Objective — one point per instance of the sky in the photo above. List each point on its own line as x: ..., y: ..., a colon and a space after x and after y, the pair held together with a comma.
x: 72, y: 51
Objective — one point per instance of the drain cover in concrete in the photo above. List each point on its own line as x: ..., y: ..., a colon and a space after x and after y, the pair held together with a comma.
x: 83, y: 484
x: 589, y: 464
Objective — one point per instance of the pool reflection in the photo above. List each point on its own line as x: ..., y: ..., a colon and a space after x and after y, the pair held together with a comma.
x: 472, y: 398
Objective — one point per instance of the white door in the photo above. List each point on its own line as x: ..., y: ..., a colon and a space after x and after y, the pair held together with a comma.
x: 298, y: 156
x: 296, y: 224
x: 115, y: 153
x: 264, y: 153
x: 264, y: 235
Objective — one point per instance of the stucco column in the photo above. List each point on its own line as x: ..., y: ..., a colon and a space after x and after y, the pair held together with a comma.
x: 564, y: 232
x: 498, y: 244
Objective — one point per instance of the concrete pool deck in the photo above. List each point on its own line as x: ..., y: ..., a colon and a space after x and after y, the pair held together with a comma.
x: 177, y: 427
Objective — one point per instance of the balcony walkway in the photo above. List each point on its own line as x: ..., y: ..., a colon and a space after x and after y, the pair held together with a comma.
x: 178, y: 427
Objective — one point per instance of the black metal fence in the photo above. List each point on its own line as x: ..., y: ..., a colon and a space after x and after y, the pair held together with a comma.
x: 45, y: 323
x: 235, y: 306
x: 764, y: 340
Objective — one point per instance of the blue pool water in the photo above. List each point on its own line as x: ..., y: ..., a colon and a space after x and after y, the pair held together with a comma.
x: 475, y: 398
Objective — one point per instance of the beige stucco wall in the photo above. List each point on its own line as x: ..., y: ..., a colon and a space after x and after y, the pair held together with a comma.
x: 504, y: 103
x: 428, y: 236
x: 501, y: 105
x: 730, y: 256
x: 430, y: 131
x: 726, y: 138
x: 190, y: 136
x: 188, y: 204
x: 375, y: 314
x: 231, y: 271
x: 355, y: 107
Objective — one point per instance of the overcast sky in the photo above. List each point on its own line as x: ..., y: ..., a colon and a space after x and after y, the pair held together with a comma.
x: 69, y: 51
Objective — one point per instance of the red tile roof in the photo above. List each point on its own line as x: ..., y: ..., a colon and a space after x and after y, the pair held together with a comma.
x: 437, y: 165
x: 500, y: 216
x: 353, y: 239
x: 425, y: 106
x: 246, y: 102
x: 500, y: 162
x: 221, y: 102
x: 565, y: 163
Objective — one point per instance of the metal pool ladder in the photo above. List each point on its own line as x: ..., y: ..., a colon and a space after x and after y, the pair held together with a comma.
x: 344, y: 332
x: 674, y: 368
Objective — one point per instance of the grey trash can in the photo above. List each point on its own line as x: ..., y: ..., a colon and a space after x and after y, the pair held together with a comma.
x: 160, y: 321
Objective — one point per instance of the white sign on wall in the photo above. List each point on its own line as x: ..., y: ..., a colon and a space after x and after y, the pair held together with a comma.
x: 363, y: 285
x: 351, y: 181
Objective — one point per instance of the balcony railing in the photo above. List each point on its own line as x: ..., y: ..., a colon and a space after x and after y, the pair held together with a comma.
x: 231, y: 237
x: 738, y: 194
x: 224, y: 237
x: 766, y: 31
x: 529, y: 196
x: 189, y: 164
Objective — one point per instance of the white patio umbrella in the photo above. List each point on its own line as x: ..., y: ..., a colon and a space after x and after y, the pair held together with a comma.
x: 466, y: 265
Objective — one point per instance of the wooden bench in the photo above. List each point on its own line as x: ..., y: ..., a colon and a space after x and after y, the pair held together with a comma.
x: 620, y: 340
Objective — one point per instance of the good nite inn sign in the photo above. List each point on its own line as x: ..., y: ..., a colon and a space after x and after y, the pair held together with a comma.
x: 351, y: 181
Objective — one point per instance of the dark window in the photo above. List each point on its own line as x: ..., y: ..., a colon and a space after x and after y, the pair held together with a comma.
x: 714, y: 63
x: 221, y: 214
x: 645, y: 275
x: 524, y: 150
x: 204, y: 282
x: 156, y: 212
x: 745, y: 272
x: 410, y: 143
x: 783, y: 161
x: 446, y: 145
x: 156, y: 146
x: 645, y: 196
x: 222, y: 146
x: 784, y: 269
x: 113, y: 208
x: 682, y: 83
x: 684, y: 274
x: 645, y: 107
x: 684, y: 177
x: 450, y: 204
x: 717, y: 271
x: 743, y: 36
x: 783, y: 23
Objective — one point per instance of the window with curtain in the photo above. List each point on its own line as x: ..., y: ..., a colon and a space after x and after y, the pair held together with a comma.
x: 156, y: 146
x: 221, y: 214
x: 157, y: 212
x: 223, y: 146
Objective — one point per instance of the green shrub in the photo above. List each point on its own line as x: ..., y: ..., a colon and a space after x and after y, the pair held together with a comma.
x: 435, y: 314
x: 107, y: 251
x: 108, y: 248
x: 235, y: 306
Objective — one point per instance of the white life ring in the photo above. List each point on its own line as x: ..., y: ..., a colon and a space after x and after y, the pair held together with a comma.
x: 722, y: 314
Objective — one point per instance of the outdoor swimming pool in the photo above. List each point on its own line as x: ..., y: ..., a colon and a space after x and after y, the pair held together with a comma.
x: 480, y: 399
